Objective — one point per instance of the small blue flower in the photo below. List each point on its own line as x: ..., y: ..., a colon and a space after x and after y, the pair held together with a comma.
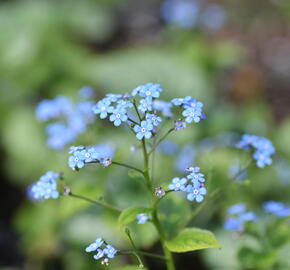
x: 103, y: 108
x: 192, y: 114
x: 118, y: 116
x: 90, y: 154
x: 142, y: 218
x: 94, y: 246
x: 145, y: 105
x: 143, y: 131
x: 77, y: 160
x: 86, y: 92
x: 154, y: 119
x: 124, y: 104
x: 263, y: 149
x: 277, y: 208
x: 179, y: 124
x: 195, y: 175
x: 113, y: 97
x: 110, y: 251
x: 148, y: 91
x: 196, y: 192
x: 178, y: 184
x: 100, y: 254
x: 237, y: 217
x: 45, y: 187
x: 106, y: 162
x: 234, y: 225
x: 164, y: 107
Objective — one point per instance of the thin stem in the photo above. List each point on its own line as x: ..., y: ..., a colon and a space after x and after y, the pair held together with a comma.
x: 160, y: 140
x: 131, y: 120
x: 97, y: 202
x: 160, y: 257
x: 155, y: 219
x: 136, y: 252
x: 136, y: 109
x: 127, y: 166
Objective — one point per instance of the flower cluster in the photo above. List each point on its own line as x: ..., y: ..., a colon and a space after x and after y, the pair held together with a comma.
x: 82, y: 155
x: 237, y: 217
x: 277, y: 208
x: 193, y: 184
x: 263, y: 149
x: 192, y: 109
x: 118, y: 108
x: 104, y: 251
x: 142, y: 218
x: 72, y: 118
x: 45, y: 187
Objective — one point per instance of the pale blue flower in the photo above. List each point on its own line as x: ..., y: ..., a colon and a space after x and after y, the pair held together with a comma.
x: 142, y: 218
x: 144, y: 130
x: 118, y: 116
x: 145, y: 105
x: 154, y: 119
x: 178, y: 184
x: 103, y: 108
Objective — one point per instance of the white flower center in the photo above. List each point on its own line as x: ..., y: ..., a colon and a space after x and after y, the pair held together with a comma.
x: 143, y: 129
x: 103, y: 108
x: 148, y: 93
x: 195, y: 191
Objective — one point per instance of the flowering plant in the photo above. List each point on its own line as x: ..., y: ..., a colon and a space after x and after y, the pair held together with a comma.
x: 142, y: 113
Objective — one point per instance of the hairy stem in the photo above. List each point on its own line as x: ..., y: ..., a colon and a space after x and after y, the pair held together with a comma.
x: 127, y: 166
x: 96, y: 202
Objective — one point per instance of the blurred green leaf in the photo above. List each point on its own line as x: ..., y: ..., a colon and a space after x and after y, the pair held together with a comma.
x: 191, y: 239
x: 252, y: 259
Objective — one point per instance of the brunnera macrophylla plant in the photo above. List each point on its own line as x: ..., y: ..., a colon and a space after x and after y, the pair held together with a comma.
x: 141, y: 112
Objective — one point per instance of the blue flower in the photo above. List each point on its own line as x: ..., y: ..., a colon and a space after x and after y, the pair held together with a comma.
x: 148, y: 91
x: 94, y: 246
x: 100, y: 254
x: 77, y: 160
x: 59, y: 135
x: 50, y: 109
x: 277, y: 208
x: 195, y: 175
x: 143, y: 131
x: 124, y: 104
x: 110, y: 251
x: 179, y: 124
x: 178, y: 184
x: 83, y: 155
x: 113, y: 97
x: 196, y: 192
x: 145, y: 105
x: 142, y: 218
x: 118, y: 116
x: 86, y: 92
x: 192, y: 114
x: 237, y: 217
x: 164, y: 107
x: 154, y: 119
x: 45, y: 187
x: 103, y: 108
x: 263, y: 149
x: 183, y: 13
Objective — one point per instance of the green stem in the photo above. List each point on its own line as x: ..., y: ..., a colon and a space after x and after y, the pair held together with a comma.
x: 160, y: 140
x: 159, y: 257
x: 135, y: 252
x: 127, y: 166
x: 97, y: 202
x: 155, y: 219
x: 136, y: 109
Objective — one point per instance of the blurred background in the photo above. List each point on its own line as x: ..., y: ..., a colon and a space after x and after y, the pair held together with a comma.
x: 234, y: 56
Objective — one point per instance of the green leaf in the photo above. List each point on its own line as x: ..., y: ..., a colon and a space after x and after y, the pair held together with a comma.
x: 129, y: 215
x: 192, y: 239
